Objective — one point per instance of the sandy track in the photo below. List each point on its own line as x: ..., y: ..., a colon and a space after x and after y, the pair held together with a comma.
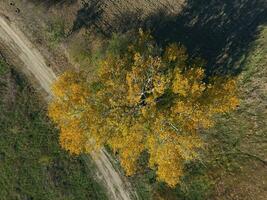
x: 34, y: 63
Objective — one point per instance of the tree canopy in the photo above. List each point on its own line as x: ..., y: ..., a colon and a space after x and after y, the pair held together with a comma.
x: 142, y: 99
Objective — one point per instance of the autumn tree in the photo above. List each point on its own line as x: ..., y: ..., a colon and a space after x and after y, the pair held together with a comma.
x: 142, y: 99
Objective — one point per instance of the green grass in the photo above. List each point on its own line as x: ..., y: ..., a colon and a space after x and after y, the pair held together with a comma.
x: 3, y: 67
x: 236, y: 146
x: 56, y: 32
x: 86, y: 50
x: 32, y: 164
x: 238, y: 131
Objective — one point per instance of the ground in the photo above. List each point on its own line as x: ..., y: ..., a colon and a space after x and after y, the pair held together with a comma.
x: 32, y: 164
x: 16, y: 47
x: 230, y: 35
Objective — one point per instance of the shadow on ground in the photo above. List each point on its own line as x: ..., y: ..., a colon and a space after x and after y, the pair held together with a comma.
x: 218, y: 31
x: 89, y: 16
x: 49, y: 3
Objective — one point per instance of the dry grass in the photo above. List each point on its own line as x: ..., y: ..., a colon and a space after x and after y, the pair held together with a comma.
x: 234, y: 175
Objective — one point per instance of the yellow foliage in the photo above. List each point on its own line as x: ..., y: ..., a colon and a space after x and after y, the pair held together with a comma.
x: 180, y: 84
x: 142, y: 101
x: 73, y: 138
x: 175, y: 53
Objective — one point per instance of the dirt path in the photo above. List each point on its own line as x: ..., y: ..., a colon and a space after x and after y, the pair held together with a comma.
x: 34, y: 63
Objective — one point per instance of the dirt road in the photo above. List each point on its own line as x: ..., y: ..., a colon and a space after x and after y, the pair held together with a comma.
x: 34, y: 63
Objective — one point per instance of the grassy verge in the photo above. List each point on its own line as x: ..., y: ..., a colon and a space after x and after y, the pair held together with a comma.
x: 56, y: 32
x: 237, y: 145
x: 32, y: 165
x: 233, y: 165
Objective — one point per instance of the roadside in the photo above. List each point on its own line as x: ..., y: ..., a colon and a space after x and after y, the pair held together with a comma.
x: 16, y: 43
x: 32, y: 163
x: 234, y: 176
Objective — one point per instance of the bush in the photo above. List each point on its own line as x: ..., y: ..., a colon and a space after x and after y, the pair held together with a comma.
x: 56, y: 31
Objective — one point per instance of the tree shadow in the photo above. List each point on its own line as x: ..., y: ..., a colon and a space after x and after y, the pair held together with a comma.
x: 89, y: 16
x: 50, y: 3
x: 220, y: 31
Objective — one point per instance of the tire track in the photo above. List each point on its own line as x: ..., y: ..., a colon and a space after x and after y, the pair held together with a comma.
x: 34, y: 63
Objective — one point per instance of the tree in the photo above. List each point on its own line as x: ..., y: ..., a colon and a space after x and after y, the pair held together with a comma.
x: 142, y: 99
